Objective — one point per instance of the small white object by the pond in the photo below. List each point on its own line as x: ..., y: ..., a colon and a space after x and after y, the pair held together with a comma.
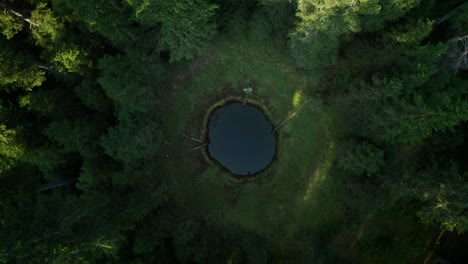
x: 248, y: 89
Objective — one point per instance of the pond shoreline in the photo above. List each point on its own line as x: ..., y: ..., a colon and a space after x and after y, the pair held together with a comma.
x: 204, y: 133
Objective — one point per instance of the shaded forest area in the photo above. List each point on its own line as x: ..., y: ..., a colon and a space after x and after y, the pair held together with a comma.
x: 87, y: 95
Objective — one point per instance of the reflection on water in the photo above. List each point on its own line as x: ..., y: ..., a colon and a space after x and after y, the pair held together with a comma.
x: 241, y: 139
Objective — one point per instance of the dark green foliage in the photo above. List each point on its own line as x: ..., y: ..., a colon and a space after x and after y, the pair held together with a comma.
x: 93, y: 96
x: 9, y: 24
x: 186, y: 25
x: 324, y: 23
x: 17, y: 71
x: 274, y: 17
x: 410, y: 120
x: 45, y: 232
x: 11, y: 148
x: 132, y: 142
x: 107, y: 18
x: 418, y: 100
x: 442, y: 188
x: 388, y: 10
x: 66, y: 57
x: 308, y: 51
x: 362, y: 158
x: 79, y: 135
x: 390, y: 231
x: 448, y: 206
x: 131, y: 81
x: 372, y: 163
x: 49, y: 28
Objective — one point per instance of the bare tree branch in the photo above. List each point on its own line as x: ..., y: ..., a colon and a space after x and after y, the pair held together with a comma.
x: 458, y: 53
x: 451, y: 13
x: 18, y: 14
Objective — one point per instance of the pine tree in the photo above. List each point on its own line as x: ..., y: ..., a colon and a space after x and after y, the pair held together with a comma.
x: 315, y: 41
x: 440, y: 185
x: 186, y: 25
x: 131, y: 80
x: 363, y: 158
x: 11, y: 148
x: 17, y: 71
x: 110, y: 19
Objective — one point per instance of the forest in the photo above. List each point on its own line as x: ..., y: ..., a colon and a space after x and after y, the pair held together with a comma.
x: 102, y: 109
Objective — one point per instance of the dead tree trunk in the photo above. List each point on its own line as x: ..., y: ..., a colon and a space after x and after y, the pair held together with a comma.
x: 436, y: 243
x: 284, y: 121
x: 458, y: 53
x: 449, y: 14
x: 46, y: 67
x: 196, y: 139
x: 198, y: 147
x: 18, y: 14
x: 56, y: 184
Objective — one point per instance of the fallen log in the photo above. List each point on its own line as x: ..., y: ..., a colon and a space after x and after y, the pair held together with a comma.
x: 284, y: 121
x: 198, y: 147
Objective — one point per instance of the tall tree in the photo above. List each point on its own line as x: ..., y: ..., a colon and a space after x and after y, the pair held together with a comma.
x: 412, y: 119
x: 110, y: 19
x: 440, y: 185
x: 315, y: 41
x: 17, y: 70
x: 133, y: 143
x: 56, y: 228
x: 131, y: 80
x: 186, y: 25
x: 362, y: 158
x: 48, y: 28
x: 13, y: 20
x: 11, y: 148
x: 67, y: 57
x: 44, y: 26
x: 9, y: 24
x: 419, y: 99
x: 274, y: 17
x: 78, y: 135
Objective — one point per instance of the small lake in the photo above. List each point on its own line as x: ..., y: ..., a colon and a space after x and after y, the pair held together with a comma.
x: 241, y: 139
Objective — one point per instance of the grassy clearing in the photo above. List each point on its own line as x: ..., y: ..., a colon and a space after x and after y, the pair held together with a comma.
x: 294, y: 193
x: 300, y: 201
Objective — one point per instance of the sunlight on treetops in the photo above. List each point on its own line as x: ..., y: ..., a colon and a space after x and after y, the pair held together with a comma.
x: 105, y: 245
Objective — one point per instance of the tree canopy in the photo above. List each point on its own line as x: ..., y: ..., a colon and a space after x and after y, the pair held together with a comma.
x: 103, y: 152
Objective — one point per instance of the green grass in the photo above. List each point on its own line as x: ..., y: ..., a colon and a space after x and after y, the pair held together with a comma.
x: 280, y: 201
x: 300, y: 196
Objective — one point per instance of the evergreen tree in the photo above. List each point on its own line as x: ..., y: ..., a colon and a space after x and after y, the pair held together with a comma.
x: 363, y: 158
x: 49, y: 29
x: 439, y: 184
x: 66, y: 57
x: 413, y: 119
x: 9, y: 24
x: 11, y: 148
x: 315, y: 41
x: 186, y: 25
x: 17, y: 70
x: 110, y: 19
x: 131, y: 80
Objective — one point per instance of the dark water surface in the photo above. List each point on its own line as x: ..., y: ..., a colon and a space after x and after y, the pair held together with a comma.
x: 241, y: 139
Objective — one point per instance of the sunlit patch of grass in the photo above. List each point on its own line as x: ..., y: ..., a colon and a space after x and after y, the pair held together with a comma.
x: 297, y: 98
x: 272, y: 204
x: 320, y: 172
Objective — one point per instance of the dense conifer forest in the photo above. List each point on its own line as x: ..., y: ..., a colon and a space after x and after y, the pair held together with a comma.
x: 103, y: 107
